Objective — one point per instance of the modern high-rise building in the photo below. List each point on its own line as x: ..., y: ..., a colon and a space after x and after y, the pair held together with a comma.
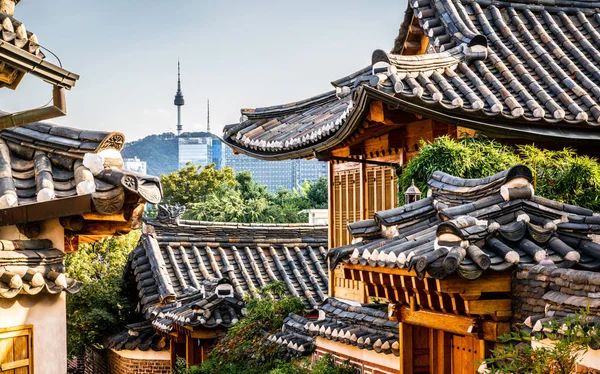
x: 196, y: 150
x: 288, y: 174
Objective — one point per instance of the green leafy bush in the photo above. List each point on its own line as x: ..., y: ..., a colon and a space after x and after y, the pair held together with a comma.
x: 518, y: 356
x: 99, y: 309
x: 243, y: 349
x: 558, y: 175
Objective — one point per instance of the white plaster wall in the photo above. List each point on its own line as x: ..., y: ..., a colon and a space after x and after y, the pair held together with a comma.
x: 50, y: 229
x: 136, y: 354
x: 48, y: 315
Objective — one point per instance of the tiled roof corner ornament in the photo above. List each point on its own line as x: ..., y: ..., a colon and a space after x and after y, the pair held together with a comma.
x: 383, y: 69
x: 106, y: 165
x: 477, y: 49
x: 170, y: 214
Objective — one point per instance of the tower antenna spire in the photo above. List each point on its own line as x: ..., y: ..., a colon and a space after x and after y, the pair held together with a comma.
x: 179, y: 102
x: 208, y: 116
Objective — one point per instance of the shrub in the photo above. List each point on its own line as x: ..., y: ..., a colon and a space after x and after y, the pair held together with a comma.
x: 518, y: 356
x: 558, y: 175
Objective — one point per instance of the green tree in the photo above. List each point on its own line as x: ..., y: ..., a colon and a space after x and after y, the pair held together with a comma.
x: 247, y: 201
x: 100, y: 308
x: 317, y: 194
x: 193, y: 183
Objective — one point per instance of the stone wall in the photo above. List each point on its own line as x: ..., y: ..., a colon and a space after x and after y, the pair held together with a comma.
x: 555, y: 292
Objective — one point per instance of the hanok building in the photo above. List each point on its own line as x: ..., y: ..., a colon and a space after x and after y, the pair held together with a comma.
x: 51, y: 200
x: 448, y: 277
x: 189, y: 279
x: 516, y: 71
x: 59, y: 187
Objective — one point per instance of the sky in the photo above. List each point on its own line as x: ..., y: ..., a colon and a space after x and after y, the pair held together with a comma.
x: 239, y: 54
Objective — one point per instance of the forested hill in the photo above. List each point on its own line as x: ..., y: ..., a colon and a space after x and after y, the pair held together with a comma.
x: 159, y: 151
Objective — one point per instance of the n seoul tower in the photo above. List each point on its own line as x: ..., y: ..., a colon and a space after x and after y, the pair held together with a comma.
x: 179, y: 102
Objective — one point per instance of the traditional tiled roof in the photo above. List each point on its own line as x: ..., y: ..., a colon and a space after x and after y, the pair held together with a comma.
x: 15, y: 33
x: 471, y: 226
x: 174, y: 261
x: 21, y: 53
x: 527, y: 68
x: 140, y: 336
x: 33, y: 266
x: 361, y: 326
x: 215, y: 306
x: 41, y: 162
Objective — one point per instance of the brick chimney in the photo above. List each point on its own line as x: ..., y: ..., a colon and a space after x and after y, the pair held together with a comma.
x: 8, y: 6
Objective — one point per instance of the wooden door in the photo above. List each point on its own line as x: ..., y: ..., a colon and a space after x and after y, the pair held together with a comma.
x: 467, y: 354
x: 420, y: 352
x: 16, y: 350
x: 414, y: 349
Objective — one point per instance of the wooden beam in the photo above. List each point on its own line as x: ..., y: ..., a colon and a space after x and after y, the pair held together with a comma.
x: 205, y: 334
x: 105, y: 228
x: 500, y: 309
x: 488, y: 282
x: 95, y: 216
x: 376, y: 112
x: 439, y: 321
x: 459, y: 325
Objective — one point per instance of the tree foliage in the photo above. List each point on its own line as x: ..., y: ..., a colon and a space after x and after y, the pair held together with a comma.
x: 100, y: 308
x: 193, y: 183
x: 218, y: 195
x: 558, y: 175
x: 243, y: 349
x: 560, y: 357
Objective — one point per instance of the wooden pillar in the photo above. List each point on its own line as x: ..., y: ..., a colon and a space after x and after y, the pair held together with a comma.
x: 330, y: 220
x: 405, y: 339
x: 364, y: 193
x: 177, y: 349
x: 190, y: 350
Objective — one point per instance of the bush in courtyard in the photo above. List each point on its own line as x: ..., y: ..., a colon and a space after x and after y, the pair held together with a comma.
x: 518, y: 356
x: 558, y: 175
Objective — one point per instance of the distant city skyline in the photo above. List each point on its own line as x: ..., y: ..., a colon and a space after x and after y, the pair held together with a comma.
x: 237, y: 53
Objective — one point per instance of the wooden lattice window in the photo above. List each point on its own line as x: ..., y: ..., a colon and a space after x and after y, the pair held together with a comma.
x: 346, y: 204
x: 16, y: 350
x: 381, y: 189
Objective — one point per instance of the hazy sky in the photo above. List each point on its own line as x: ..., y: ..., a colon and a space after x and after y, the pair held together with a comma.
x: 237, y: 53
